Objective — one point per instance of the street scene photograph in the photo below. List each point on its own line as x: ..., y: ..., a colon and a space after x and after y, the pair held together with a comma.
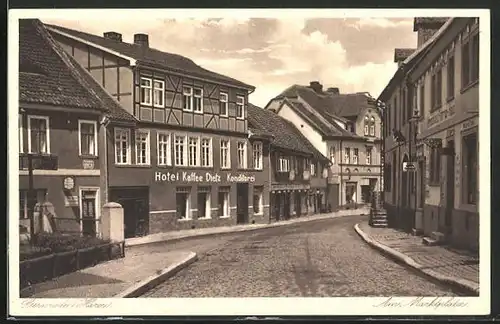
x: 195, y: 156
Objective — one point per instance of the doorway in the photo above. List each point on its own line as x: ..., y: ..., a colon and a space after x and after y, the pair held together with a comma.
x: 135, y: 204
x: 450, y: 184
x: 242, y: 203
x: 89, y: 212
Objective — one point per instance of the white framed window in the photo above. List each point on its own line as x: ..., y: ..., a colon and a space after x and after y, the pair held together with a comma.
x: 21, y: 143
x: 142, y: 151
x: 198, y: 100
x: 206, y: 152
x: 87, y: 137
x: 283, y: 164
x: 180, y: 152
x: 163, y: 148
x: 366, y: 125
x: 313, y: 169
x: 38, y: 134
x: 204, y: 203
x: 122, y: 146
x: 257, y: 155
x: 369, y: 155
x: 194, y: 151
x: 183, y: 203
x: 159, y: 93
x: 258, y: 204
x: 332, y: 154
x: 223, y: 104
x: 355, y: 156
x: 347, y: 155
x: 242, y: 155
x: 146, y: 91
x: 372, y: 126
x: 223, y: 202
x: 225, y: 154
x: 240, y: 107
x: 187, y: 98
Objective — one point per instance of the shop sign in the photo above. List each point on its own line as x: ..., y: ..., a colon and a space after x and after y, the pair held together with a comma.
x: 441, y: 116
x: 88, y: 164
x: 469, y: 123
x: 71, y: 201
x: 213, y: 177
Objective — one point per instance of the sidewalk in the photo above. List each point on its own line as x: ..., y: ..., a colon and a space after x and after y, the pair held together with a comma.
x: 458, y: 268
x: 177, y: 235
x: 127, y: 277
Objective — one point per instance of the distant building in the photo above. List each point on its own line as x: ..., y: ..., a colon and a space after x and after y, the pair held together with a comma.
x: 344, y: 127
x: 438, y: 84
x: 298, y: 171
x: 188, y: 162
x: 63, y: 113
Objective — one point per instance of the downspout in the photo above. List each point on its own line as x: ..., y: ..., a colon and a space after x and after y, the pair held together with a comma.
x: 340, y: 165
x: 271, y: 205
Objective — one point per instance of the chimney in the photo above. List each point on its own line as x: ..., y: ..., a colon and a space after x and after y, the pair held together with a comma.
x: 426, y: 27
x: 333, y: 91
x: 316, y: 86
x: 401, y: 54
x: 141, y: 39
x: 113, y: 35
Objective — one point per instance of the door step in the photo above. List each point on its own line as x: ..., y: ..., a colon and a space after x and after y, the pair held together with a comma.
x: 436, y: 238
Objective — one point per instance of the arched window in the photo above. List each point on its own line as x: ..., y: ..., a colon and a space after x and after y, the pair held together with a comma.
x: 372, y: 126
x: 367, y: 122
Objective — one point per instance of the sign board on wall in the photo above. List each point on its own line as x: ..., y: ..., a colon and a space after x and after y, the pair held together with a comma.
x: 409, y: 167
x: 88, y: 164
x: 213, y: 177
x: 71, y: 201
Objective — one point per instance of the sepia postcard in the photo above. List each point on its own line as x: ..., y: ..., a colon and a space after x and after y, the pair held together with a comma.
x: 248, y: 162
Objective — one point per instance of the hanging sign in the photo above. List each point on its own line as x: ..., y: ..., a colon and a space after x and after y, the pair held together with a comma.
x: 409, y: 166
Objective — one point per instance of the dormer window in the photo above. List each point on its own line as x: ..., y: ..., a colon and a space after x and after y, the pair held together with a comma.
x: 367, y: 125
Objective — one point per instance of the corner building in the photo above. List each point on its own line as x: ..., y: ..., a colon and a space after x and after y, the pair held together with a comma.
x: 189, y: 162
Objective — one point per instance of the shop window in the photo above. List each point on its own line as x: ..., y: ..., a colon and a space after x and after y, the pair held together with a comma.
x: 223, y: 201
x: 258, y: 200
x: 470, y: 169
x: 204, y: 202
x: 350, y: 192
x: 435, y: 167
x: 182, y: 203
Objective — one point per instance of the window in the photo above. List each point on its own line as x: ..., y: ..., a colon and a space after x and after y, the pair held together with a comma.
x: 182, y: 203
x: 450, y: 89
x: 422, y: 100
x: 87, y: 131
x: 257, y: 155
x: 223, y: 104
x: 355, y: 156
x: 24, y: 207
x: 146, y: 91
x: 38, y: 134
x: 242, y: 155
x: 367, y: 125
x: 470, y: 169
x: 436, y: 93
x: 204, y: 202
x: 21, y: 148
x: 223, y: 201
x: 142, y: 155
x: 159, y: 93
x: 475, y: 58
x: 193, y: 151
x: 369, y: 155
x: 198, y: 101
x: 187, y: 98
x: 240, y: 107
x: 206, y: 152
x: 372, y: 126
x: 122, y: 146
x: 435, y: 167
x: 180, y: 150
x: 225, y: 162
x: 347, y: 155
x: 465, y: 65
x: 283, y: 164
x: 332, y: 154
x: 313, y: 169
x: 257, y: 200
x: 164, y: 151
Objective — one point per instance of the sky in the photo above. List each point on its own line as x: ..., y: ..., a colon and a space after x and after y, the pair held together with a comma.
x: 352, y: 54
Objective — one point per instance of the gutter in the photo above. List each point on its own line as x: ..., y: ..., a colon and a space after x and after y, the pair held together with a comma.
x: 341, y: 179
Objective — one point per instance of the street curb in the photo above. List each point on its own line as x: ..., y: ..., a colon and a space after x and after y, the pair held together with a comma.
x: 460, y: 283
x: 251, y: 227
x: 143, y: 286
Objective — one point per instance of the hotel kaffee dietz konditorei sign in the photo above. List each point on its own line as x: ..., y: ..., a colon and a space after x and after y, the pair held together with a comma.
x: 212, y: 177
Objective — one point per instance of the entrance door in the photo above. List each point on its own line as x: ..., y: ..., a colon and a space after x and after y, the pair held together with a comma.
x: 450, y: 184
x: 298, y: 205
x: 135, y: 203
x: 89, y: 216
x: 242, y: 203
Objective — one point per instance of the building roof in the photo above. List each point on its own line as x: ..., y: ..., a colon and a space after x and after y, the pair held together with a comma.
x: 152, y: 57
x: 285, y: 134
x: 48, y: 75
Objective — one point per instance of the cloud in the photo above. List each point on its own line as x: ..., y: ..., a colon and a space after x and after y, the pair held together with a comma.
x: 354, y: 55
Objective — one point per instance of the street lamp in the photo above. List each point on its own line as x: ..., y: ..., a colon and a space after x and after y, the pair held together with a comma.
x: 412, y: 142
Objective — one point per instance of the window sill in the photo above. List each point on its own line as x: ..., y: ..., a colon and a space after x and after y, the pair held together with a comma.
x: 164, y: 166
x: 159, y: 106
x: 140, y: 166
x: 184, y: 220
x: 470, y: 85
x: 187, y: 110
x: 84, y: 156
x: 261, y: 214
x: 204, y: 218
x: 240, y: 118
x: 224, y: 115
x: 198, y: 112
x: 224, y: 217
x: 146, y: 104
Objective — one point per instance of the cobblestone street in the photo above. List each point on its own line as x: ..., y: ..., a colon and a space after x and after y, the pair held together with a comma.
x: 315, y: 259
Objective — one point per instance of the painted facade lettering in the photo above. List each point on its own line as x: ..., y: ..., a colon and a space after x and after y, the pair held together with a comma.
x: 212, y: 177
